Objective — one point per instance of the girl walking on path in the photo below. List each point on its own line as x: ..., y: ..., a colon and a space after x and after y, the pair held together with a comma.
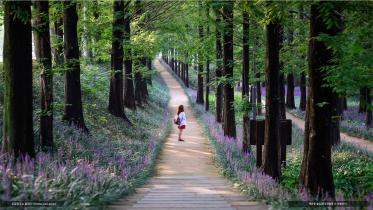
x: 181, y: 120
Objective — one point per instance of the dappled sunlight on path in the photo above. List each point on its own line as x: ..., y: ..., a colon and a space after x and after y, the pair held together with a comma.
x: 186, y: 177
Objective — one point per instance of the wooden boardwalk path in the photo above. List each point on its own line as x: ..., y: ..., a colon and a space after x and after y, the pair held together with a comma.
x: 186, y: 175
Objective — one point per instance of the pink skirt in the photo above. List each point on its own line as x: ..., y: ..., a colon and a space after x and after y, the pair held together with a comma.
x: 181, y: 126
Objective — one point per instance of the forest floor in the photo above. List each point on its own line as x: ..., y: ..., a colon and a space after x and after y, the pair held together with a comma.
x: 357, y: 142
x: 186, y: 176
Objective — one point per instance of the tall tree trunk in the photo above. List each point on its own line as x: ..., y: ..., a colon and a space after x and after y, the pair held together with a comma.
x: 97, y: 32
x: 282, y: 79
x: 141, y: 89
x: 303, y: 92
x: 73, y: 95
x: 218, y: 70
x: 290, y: 104
x: 46, y: 75
x: 228, y: 107
x: 258, y: 98
x: 303, y: 82
x: 84, y: 36
x: 116, y: 104
x: 363, y: 99
x: 187, y: 71
x: 17, y: 119
x: 34, y: 27
x: 199, y: 99
x: 282, y: 95
x: 58, y: 49
x: 316, y: 173
x: 272, y: 161
x: 368, y: 118
x: 129, y: 90
x: 245, y: 78
x: 344, y: 103
x: 207, y: 104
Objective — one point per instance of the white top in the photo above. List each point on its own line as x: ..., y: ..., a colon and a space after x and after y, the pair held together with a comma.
x: 182, y: 118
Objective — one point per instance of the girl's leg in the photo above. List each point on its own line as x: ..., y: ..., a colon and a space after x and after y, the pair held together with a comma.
x: 180, y: 133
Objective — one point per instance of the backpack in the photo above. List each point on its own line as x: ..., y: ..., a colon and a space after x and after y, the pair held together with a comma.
x: 177, y: 121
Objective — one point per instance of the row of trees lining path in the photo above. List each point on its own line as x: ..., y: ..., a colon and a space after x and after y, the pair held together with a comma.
x: 19, y: 23
x: 192, y: 185
x: 322, y: 104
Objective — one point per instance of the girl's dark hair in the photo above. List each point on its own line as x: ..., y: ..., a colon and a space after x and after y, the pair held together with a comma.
x: 180, y: 109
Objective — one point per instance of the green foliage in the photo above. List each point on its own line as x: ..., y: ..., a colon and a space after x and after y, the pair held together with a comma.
x: 353, y: 50
x: 352, y: 176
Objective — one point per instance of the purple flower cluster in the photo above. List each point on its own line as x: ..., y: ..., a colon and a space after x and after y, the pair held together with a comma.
x: 240, y: 164
x: 85, y: 170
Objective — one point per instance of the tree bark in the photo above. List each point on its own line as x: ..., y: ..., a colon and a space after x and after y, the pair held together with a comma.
x: 258, y: 97
x: 116, y: 104
x: 129, y: 91
x: 316, y: 173
x: 303, y: 92
x: 199, y: 99
x: 34, y: 27
x: 141, y: 89
x: 245, y: 78
x: 272, y: 161
x: 187, y: 71
x: 73, y: 95
x: 368, y: 118
x: 363, y: 99
x: 97, y: 32
x: 218, y: 70
x: 207, y: 104
x: 58, y: 50
x: 290, y: 104
x: 344, y: 103
x: 228, y: 95
x: 17, y: 119
x: 282, y: 96
x: 46, y: 75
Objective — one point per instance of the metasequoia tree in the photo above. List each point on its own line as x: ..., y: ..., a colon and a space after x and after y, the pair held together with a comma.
x: 57, y: 34
x: 199, y: 99
x: 272, y: 162
x: 245, y: 76
x: 141, y: 89
x: 218, y: 68
x: 41, y: 28
x: 17, y: 119
x: 129, y: 90
x: 228, y: 106
x: 207, y: 104
x: 116, y: 105
x: 290, y: 103
x: 303, y: 82
x: 316, y: 173
x: 73, y: 96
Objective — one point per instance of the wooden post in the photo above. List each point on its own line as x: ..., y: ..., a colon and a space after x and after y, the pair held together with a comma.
x: 257, y: 138
x: 285, y: 138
